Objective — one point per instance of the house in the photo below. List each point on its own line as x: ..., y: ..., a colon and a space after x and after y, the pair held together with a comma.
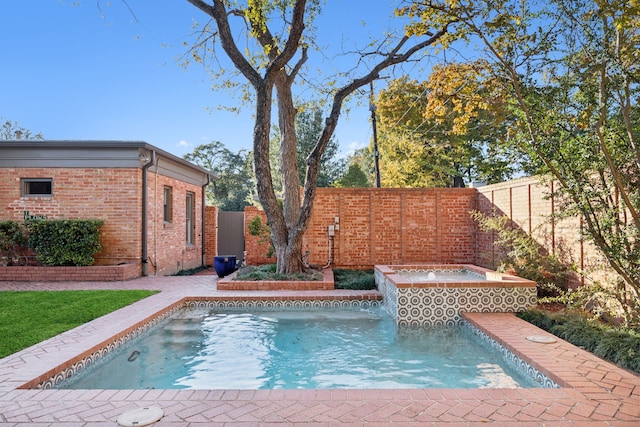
x: 152, y: 202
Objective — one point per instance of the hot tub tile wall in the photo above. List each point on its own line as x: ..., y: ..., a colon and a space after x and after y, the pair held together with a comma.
x: 441, y: 304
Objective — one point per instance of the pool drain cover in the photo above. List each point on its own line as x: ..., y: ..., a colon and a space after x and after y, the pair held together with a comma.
x: 141, y: 416
x: 542, y: 339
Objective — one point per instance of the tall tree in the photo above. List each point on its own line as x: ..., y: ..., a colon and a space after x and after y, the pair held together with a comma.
x: 12, y: 130
x: 573, y: 71
x: 233, y: 184
x: 354, y: 177
x: 309, y: 128
x: 278, y: 34
x: 450, y: 128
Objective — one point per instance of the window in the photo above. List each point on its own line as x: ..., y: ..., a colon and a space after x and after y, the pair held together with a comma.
x: 190, y: 218
x: 36, y: 186
x: 168, y: 204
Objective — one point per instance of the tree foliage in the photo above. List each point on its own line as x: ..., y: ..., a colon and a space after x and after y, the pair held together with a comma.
x: 275, y: 37
x: 233, y: 186
x: 354, y: 177
x: 12, y: 130
x: 573, y: 72
x: 309, y: 128
x: 454, y: 127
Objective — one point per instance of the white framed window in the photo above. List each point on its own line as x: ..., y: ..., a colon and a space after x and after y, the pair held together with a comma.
x: 190, y: 218
x: 36, y: 187
x: 167, y: 204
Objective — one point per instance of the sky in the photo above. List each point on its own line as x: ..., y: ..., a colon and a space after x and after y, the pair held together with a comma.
x: 109, y: 70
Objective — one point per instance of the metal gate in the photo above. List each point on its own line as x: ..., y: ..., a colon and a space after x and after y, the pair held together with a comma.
x: 231, y: 234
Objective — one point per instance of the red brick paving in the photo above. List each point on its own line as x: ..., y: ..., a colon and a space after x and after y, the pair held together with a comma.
x: 595, y: 393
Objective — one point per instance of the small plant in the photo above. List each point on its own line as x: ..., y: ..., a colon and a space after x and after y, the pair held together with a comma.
x: 604, y: 303
x: 263, y: 232
x: 354, y: 279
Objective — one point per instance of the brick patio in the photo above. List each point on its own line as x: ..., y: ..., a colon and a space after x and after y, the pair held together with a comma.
x: 593, y: 393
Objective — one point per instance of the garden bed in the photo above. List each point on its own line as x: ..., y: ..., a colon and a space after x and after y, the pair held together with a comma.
x: 94, y: 273
x: 229, y: 283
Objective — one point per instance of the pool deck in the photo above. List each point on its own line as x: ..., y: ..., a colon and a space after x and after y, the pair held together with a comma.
x: 593, y: 392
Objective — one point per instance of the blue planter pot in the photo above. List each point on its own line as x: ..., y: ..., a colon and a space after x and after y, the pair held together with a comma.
x: 224, y: 264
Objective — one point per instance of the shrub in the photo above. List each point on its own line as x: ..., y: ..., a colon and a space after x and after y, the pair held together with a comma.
x: 524, y: 256
x: 617, y: 345
x: 263, y: 232
x: 13, y: 239
x: 354, y: 279
x: 65, y: 242
x: 268, y: 272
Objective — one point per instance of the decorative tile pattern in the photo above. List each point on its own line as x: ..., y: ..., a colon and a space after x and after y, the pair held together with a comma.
x: 282, y: 305
x: 512, y: 359
x: 442, y: 305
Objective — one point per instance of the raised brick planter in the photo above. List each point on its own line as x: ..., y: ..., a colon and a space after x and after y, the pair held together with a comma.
x: 94, y: 273
x: 228, y: 284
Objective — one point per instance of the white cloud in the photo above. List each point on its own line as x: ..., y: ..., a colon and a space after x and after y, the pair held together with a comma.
x: 184, y: 143
x: 351, y: 148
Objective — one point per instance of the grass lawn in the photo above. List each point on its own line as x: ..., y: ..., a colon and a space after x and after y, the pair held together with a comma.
x: 27, y: 318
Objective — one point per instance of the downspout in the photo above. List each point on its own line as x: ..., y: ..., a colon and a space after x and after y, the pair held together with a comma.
x: 204, y: 214
x: 145, y: 221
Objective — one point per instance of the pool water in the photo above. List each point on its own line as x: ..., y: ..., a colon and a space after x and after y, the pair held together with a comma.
x: 198, y: 349
x: 442, y: 276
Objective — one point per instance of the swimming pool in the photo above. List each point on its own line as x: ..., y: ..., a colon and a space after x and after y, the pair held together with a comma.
x: 200, y: 348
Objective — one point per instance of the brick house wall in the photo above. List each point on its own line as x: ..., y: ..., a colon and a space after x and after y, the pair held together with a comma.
x: 168, y: 251
x: 104, y: 180
x: 111, y: 195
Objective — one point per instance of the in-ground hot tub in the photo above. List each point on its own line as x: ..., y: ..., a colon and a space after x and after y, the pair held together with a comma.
x: 436, y: 294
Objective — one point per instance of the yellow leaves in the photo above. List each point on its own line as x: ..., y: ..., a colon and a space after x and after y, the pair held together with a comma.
x: 457, y: 96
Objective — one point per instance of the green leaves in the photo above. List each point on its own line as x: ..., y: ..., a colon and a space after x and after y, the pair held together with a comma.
x: 65, y: 242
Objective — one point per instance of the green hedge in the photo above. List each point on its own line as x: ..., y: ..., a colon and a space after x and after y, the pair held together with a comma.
x: 617, y: 345
x: 65, y: 242
x: 54, y: 242
x: 13, y: 238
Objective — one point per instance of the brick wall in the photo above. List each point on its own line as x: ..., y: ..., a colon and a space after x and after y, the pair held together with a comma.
x: 211, y: 234
x: 114, y: 195
x: 168, y: 250
x: 395, y: 226
x: 385, y: 226
x: 529, y: 203
x: 83, y: 193
x: 255, y: 247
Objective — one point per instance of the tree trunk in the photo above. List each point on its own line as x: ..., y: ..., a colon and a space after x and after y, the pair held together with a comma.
x: 290, y: 257
x: 289, y: 222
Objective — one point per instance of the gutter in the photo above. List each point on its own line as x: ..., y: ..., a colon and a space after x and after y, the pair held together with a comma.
x: 145, y: 220
x: 204, y: 205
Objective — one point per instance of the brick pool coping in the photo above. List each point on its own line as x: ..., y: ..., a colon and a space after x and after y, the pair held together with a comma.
x: 593, y: 392
x: 492, y: 279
